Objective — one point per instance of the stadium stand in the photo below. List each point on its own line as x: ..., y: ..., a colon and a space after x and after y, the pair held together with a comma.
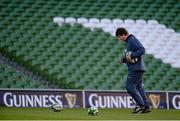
x: 71, y: 55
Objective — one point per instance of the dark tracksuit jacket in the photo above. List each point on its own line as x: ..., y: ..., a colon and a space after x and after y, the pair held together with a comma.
x: 137, y: 49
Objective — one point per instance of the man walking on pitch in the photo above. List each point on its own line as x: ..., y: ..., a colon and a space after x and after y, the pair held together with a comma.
x: 134, y: 59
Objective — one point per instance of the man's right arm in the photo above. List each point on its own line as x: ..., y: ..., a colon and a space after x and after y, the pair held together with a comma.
x: 123, y: 60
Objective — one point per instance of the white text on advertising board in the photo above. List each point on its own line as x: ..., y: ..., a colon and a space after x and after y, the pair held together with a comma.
x: 176, y: 101
x: 11, y: 100
x: 110, y: 101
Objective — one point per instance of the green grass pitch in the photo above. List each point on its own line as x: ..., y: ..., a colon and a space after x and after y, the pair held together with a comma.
x: 81, y: 114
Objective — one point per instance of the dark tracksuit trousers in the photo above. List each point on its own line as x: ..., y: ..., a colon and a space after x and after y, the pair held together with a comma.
x: 135, y: 87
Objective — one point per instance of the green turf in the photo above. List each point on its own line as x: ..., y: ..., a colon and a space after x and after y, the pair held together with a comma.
x: 81, y: 114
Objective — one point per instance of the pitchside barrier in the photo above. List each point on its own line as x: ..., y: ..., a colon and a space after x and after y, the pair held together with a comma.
x: 85, y: 98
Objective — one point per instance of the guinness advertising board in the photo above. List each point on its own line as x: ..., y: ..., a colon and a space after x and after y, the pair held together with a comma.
x: 40, y: 98
x: 108, y: 99
x: 84, y: 98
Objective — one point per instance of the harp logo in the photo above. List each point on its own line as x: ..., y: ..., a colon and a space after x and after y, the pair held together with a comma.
x: 155, y: 100
x: 71, y: 99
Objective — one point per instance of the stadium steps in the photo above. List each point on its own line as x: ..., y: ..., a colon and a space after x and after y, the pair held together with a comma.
x: 9, y: 78
x: 21, y: 76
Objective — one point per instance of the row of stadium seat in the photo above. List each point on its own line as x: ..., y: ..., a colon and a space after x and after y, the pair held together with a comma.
x: 165, y: 12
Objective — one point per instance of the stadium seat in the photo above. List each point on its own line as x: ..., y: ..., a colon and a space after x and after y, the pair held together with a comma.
x: 82, y: 20
x: 70, y: 20
x: 58, y: 20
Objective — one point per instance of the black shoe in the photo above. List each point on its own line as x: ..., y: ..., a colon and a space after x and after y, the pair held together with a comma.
x: 137, y: 109
x: 146, y: 110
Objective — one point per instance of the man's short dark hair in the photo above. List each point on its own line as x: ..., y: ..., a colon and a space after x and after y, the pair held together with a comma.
x: 121, y: 31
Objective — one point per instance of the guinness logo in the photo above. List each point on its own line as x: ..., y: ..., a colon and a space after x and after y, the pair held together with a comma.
x: 71, y: 99
x: 155, y: 100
